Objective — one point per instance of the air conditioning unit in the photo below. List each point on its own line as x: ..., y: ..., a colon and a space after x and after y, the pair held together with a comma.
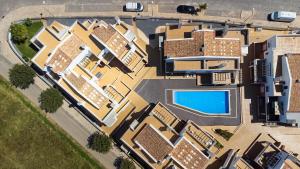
x: 258, y: 29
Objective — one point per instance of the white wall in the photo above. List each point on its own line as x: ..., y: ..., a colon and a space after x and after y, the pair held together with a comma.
x: 294, y: 116
x: 286, y: 76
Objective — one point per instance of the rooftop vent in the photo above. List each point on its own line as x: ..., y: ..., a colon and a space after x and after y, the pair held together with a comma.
x: 202, y: 48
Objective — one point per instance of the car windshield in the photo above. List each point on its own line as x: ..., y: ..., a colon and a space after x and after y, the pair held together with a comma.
x: 275, y: 15
x: 187, y: 8
x: 138, y: 6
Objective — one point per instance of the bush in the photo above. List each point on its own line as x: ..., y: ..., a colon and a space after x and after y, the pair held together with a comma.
x: 203, y: 6
x: 21, y: 76
x: 28, y: 22
x: 224, y: 133
x: 219, y: 145
x: 50, y: 100
x: 99, y: 142
x: 19, y: 33
x: 126, y: 164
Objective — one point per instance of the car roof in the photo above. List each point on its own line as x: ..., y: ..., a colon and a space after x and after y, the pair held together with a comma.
x: 131, y: 5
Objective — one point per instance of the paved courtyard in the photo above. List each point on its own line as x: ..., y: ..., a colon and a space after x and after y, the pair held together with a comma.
x: 154, y: 90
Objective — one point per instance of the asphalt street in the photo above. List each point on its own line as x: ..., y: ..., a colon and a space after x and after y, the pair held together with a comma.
x: 231, y: 8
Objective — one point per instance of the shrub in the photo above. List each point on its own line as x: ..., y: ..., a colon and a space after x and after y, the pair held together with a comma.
x: 28, y: 22
x: 219, y: 145
x: 21, y: 76
x: 19, y: 33
x: 224, y: 133
x: 126, y: 164
x: 50, y: 100
x: 203, y: 6
x: 99, y: 142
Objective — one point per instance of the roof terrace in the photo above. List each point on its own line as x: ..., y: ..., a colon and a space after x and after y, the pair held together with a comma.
x: 157, y: 142
x: 120, y: 41
x: 64, y: 54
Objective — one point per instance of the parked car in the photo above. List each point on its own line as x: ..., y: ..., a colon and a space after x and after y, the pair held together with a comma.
x: 133, y: 7
x: 186, y: 9
x: 282, y: 16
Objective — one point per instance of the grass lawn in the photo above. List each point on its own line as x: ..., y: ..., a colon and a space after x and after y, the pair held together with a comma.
x: 29, y: 140
x: 26, y: 48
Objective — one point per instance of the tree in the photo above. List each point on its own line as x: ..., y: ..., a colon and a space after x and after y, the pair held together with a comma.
x: 50, y: 100
x: 202, y: 6
x: 19, y: 33
x: 99, y: 142
x: 126, y: 164
x: 21, y: 76
x: 28, y: 22
x: 224, y: 133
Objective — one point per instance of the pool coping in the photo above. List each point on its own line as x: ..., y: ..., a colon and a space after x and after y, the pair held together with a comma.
x: 197, y: 111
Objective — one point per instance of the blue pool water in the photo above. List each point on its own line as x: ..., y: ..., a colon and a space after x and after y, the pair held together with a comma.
x: 208, y: 102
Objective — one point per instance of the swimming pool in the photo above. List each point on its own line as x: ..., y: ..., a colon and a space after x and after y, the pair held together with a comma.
x: 215, y: 102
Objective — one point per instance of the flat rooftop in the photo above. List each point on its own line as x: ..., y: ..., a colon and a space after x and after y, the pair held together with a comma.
x: 206, y: 64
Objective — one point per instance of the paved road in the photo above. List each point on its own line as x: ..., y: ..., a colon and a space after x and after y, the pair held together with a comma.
x: 231, y: 8
x: 228, y: 8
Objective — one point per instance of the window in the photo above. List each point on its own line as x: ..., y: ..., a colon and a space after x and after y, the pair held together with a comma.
x: 187, y: 34
x: 98, y: 75
x: 38, y: 43
x: 267, y: 88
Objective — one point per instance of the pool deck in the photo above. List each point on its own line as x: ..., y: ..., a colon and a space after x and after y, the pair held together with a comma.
x: 154, y: 90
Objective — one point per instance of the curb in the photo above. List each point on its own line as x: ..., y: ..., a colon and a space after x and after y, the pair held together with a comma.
x: 230, y: 23
x: 14, y: 49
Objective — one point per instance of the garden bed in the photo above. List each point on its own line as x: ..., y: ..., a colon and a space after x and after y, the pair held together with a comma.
x: 27, y: 49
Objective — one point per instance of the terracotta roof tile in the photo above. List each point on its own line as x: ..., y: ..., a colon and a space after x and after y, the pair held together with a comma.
x: 294, y: 62
x: 84, y: 87
x: 104, y: 33
x: 153, y: 143
x: 188, y: 156
x: 64, y: 55
x: 59, y: 61
x: 202, y: 43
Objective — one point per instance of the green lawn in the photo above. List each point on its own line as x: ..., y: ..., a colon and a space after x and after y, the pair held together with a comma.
x: 25, y: 48
x: 29, y: 140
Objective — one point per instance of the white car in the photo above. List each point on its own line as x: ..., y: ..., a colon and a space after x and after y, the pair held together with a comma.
x: 134, y: 7
x: 283, y: 16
